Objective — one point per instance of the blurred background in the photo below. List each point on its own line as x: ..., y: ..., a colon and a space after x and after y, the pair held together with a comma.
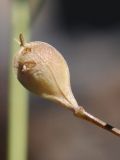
x: 87, y: 33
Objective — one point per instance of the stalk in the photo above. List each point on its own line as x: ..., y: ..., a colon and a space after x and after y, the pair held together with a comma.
x: 18, y: 98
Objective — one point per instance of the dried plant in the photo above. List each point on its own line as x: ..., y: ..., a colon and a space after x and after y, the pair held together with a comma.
x: 42, y: 69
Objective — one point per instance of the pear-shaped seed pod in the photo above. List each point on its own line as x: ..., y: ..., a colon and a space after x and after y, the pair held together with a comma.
x: 44, y: 71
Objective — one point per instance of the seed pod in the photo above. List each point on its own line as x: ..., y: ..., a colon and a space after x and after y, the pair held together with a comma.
x: 43, y: 70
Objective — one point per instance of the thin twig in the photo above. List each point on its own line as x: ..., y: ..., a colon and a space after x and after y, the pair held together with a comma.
x: 87, y: 116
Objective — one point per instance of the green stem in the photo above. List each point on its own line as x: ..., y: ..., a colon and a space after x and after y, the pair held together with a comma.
x: 18, y: 98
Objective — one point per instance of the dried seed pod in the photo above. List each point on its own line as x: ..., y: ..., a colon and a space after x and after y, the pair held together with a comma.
x: 42, y: 69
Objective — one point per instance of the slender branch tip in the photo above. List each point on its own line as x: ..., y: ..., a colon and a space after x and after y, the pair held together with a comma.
x: 81, y: 113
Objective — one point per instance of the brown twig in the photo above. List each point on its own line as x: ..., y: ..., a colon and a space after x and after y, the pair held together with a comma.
x: 87, y: 116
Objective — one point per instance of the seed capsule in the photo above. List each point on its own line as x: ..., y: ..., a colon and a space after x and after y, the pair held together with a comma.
x: 43, y: 70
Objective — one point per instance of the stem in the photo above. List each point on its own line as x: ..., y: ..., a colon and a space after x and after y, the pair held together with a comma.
x: 18, y: 97
x: 81, y: 113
